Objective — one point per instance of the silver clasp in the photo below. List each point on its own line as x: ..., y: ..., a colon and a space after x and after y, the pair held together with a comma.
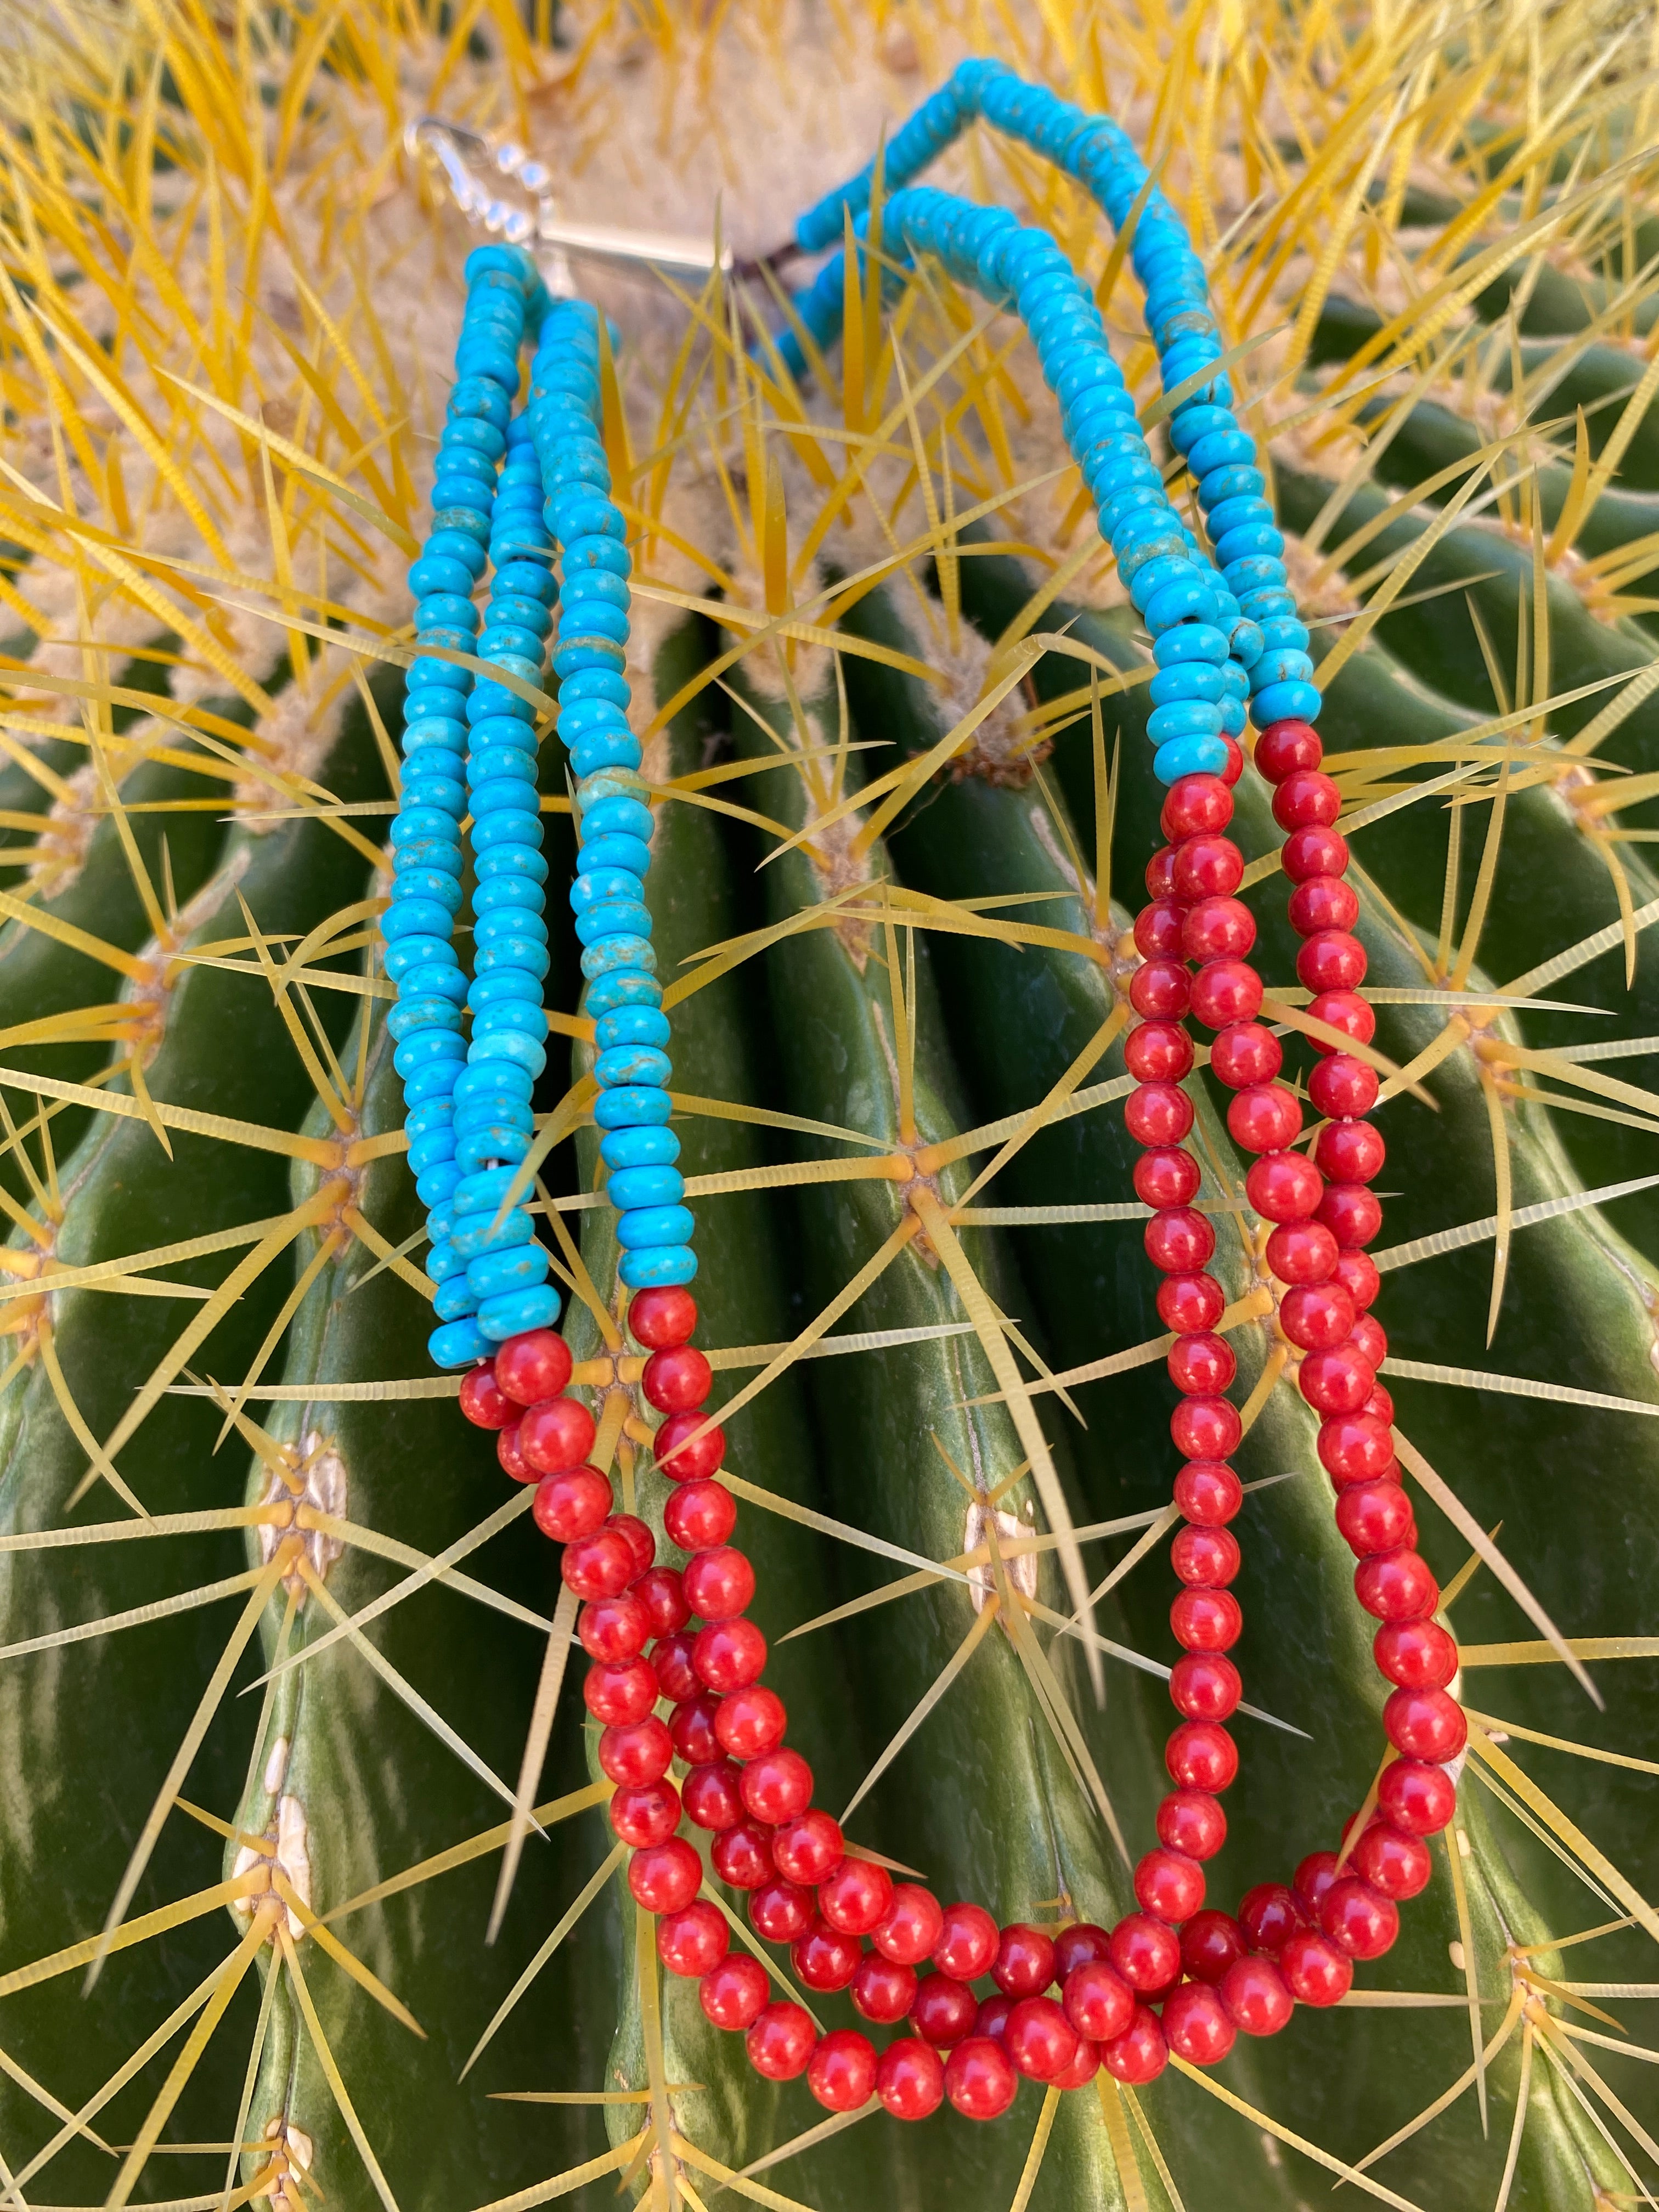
x: 461, y: 153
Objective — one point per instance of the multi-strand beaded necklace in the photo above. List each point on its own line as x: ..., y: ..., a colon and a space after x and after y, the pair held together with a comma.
x: 522, y: 490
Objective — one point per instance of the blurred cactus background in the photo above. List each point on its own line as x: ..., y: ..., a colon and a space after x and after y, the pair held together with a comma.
x: 307, y: 1897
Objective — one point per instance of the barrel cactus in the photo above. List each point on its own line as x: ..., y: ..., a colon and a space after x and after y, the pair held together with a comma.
x: 308, y: 1893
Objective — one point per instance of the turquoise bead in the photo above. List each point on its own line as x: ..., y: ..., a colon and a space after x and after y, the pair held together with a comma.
x: 1187, y: 718
x: 654, y: 1224
x: 519, y: 1310
x: 658, y: 1265
x: 629, y: 1064
x: 626, y: 953
x: 614, y: 918
x: 1190, y: 642
x: 641, y: 1146
x: 474, y: 1234
x: 455, y: 1300
x: 461, y: 1344
x: 1191, y: 756
x: 629, y: 1108
x: 1285, y: 702
x: 633, y: 1188
x: 623, y: 987
x: 494, y: 1274
x: 1191, y: 679
x: 634, y: 1025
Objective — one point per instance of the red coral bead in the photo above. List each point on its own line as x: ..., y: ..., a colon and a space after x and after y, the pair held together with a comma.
x: 681, y: 1459
x: 1206, y: 1620
x: 824, y: 1957
x: 1317, y: 1315
x: 1338, y: 1381
x: 1208, y: 866
x: 646, y: 1813
x: 1217, y: 929
x: 1345, y: 1011
x: 1086, y: 2064
x: 1188, y: 1303
x: 842, y: 2073
x: 1269, y: 1915
x: 781, y: 2043
x: 1206, y: 1558
x: 1201, y: 1756
x: 1355, y: 1448
x: 1313, y: 851
x: 1166, y: 1177
x: 967, y: 1943
x: 1192, y: 1822
x: 1076, y: 1945
x: 1205, y: 1428
x: 1024, y: 1963
x: 599, y: 1565
x: 1425, y: 1724
x: 1333, y: 961
x: 1265, y: 1118
x: 1307, y: 798
x: 750, y: 1721
x: 857, y: 1896
x: 1204, y: 1686
x: 678, y: 1380
x: 1245, y: 1054
x: 1210, y: 1943
x: 1201, y: 1365
x: 1158, y: 1052
x: 979, y: 2080
x: 1158, y: 1114
x: 1140, y: 2054
x: 533, y: 1366
x: 1208, y: 1493
x: 910, y: 2078
x: 712, y: 1795
x: 1159, y: 990
x: 698, y: 1515
x: 691, y: 1730
x: 1314, y: 1876
x: 1169, y: 1884
x: 620, y: 1690
x: 555, y: 1434
x: 1416, y: 1797
x: 778, y: 1786
x: 1300, y: 1252
x: 511, y: 1459
x: 1357, y: 1918
x: 571, y: 1505
x: 1157, y: 934
x: 718, y: 1584
x: 1351, y: 1212
x: 944, y: 2009
x: 912, y: 1926
x: 1225, y: 992
x: 1391, y: 1860
x: 660, y: 1317
x: 483, y: 1401
x: 1255, y: 1996
x: 1284, y: 1186
x: 640, y: 1541
x: 809, y: 1846
x: 728, y: 1653
x: 1343, y: 1087
x: 1396, y: 1586
x: 1178, y: 1241
x: 1196, y: 2027
x: 1039, y: 2039
x: 1145, y: 1952
x: 1283, y: 747
x: 1323, y: 903
x: 733, y: 1995
x: 693, y: 1942
x: 1194, y: 805
x: 1350, y: 1151
x: 1316, y: 1972
x: 1375, y: 1516
x: 670, y: 1663
x: 741, y: 1855
x: 614, y: 1628
x: 780, y: 1910
x: 1418, y: 1654
x: 1381, y: 1403
x: 664, y: 1877
x: 882, y: 1990
x: 1159, y: 876
x: 993, y: 2014
x: 639, y: 1751
x: 1099, y: 2002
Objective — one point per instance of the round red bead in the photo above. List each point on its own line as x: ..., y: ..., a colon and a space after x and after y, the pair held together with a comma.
x: 678, y: 1380
x: 728, y: 1653
x: 1284, y: 1186
x: 693, y: 1942
x: 1333, y: 961
x: 781, y: 2043
x: 1351, y: 1212
x: 750, y: 1721
x: 1201, y: 1756
x: 1217, y: 929
x: 533, y: 1366
x: 1391, y: 1860
x: 712, y: 1795
x: 1375, y: 1516
x: 1201, y: 1365
x: 912, y: 1927
x: 670, y: 1663
x: 1208, y: 866
x: 1269, y: 1915
x: 1169, y: 1884
x: 555, y: 1434
x: 663, y: 1317
x: 1140, y: 2054
x: 1208, y: 1493
x: 483, y: 1401
x: 1159, y: 876
x: 1314, y: 1876
x: 1350, y: 1151
x: 1205, y: 1428
x: 645, y: 1813
x: 733, y: 1995
x: 691, y: 1727
x: 1317, y: 1315
x: 1157, y: 933
x: 689, y: 1450
x: 571, y: 1505
x: 1206, y: 1558
x: 699, y: 1515
x: 1159, y: 990
x: 510, y: 1458
x: 780, y: 1910
x: 1196, y: 2027
x: 1265, y: 1118
x: 1345, y: 1011
x: 1192, y: 1822
x: 1166, y: 1177
x: 1039, y: 2039
x: 993, y: 2014
x: 1186, y: 1303
x: 639, y: 1751
x: 1306, y: 797
x: 1416, y: 1796
x: 620, y: 1690
x: 1195, y: 804
x: 1255, y: 1996
x: 882, y: 1990
x: 1245, y: 1052
x: 842, y: 2073
x: 640, y: 1541
x: 599, y: 1565
x: 1145, y: 1952
x: 944, y: 2009
x: 778, y: 1786
x: 1357, y: 1918
x: 1154, y: 1052
x: 910, y: 2078
x: 856, y: 1895
x: 614, y: 1628
x: 718, y: 1584
x: 1343, y: 1087
x: 1396, y: 1586
x: 1338, y: 1381
x: 1312, y: 852
x: 1158, y: 1114
x: 1283, y: 747
x: 1418, y: 1654
x: 1178, y: 1241
x: 1206, y: 1620
x: 979, y: 2080
x: 1303, y: 1252
x: 824, y: 1957
x: 1024, y: 1963
x: 1317, y: 1973
x: 1210, y: 1943
x: 1076, y: 1945
x: 742, y: 1854
x: 1323, y: 903
x: 1225, y: 992
x: 1204, y: 1685
x: 809, y: 1847
x: 967, y: 1943
x: 664, y: 1877
x: 1099, y: 2002
x: 1355, y: 1448
x: 1086, y: 2064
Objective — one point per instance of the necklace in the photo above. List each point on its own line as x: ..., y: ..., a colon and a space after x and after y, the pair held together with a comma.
x: 1175, y: 1975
